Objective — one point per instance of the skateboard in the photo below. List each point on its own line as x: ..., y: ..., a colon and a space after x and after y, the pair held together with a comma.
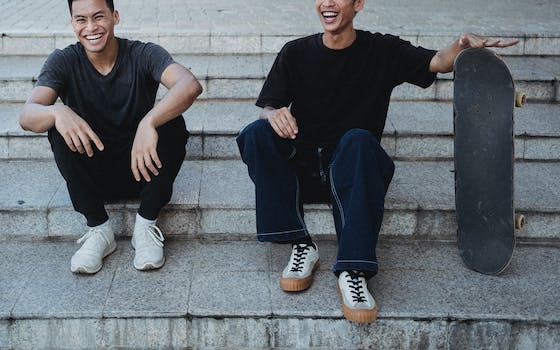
x: 483, y: 102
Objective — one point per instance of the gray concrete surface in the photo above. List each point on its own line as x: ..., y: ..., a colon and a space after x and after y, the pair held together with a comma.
x: 226, y: 294
x: 216, y: 199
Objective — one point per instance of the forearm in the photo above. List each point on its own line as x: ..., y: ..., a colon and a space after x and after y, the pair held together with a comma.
x: 176, y: 101
x: 37, y: 117
x: 444, y: 60
x: 266, y: 112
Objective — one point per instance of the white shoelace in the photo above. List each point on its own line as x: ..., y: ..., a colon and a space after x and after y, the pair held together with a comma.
x: 154, y: 233
x: 93, y: 231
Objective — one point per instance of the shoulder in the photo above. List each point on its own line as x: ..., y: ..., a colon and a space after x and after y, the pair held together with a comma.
x: 139, y: 47
x: 378, y: 39
x: 301, y: 44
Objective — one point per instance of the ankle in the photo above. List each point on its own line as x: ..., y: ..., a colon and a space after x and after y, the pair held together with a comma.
x: 305, y: 240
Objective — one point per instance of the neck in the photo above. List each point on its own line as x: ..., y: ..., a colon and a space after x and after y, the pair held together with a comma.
x: 104, y: 61
x: 338, y: 41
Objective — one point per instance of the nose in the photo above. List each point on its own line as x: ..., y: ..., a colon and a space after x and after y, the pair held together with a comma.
x: 91, y: 25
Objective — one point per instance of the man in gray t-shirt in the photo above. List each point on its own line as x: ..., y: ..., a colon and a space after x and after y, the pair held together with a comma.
x: 109, y: 138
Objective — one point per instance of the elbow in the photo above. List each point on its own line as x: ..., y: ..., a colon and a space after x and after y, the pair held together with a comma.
x: 23, y: 121
x: 196, y: 88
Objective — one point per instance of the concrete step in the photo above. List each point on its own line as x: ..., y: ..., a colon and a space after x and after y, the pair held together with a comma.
x: 215, y: 200
x: 242, y: 76
x: 414, y: 131
x: 225, y: 295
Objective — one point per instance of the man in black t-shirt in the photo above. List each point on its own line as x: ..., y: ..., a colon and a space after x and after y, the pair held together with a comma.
x: 325, y: 103
x: 109, y: 138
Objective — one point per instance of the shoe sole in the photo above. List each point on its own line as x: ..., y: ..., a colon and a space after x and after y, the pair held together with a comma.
x: 358, y: 315
x: 150, y: 266
x: 292, y: 284
x: 85, y: 270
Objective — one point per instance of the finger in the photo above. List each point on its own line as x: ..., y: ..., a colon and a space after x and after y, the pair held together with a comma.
x: 510, y: 43
x: 143, y: 170
x: 69, y: 143
x: 85, y: 142
x: 276, y: 128
x: 96, y: 140
x: 150, y: 165
x: 155, y: 158
x: 77, y: 143
x: 134, y: 168
x: 283, y: 125
x: 289, y: 124
x: 87, y: 146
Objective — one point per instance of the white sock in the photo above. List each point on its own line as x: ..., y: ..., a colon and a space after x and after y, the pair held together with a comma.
x: 105, y: 225
x: 140, y: 219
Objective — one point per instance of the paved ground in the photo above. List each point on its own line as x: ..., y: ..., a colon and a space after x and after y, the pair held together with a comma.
x: 501, y: 17
x: 418, y: 280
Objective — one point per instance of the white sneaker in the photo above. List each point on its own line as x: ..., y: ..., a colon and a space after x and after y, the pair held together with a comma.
x: 298, y: 274
x: 97, y: 243
x: 147, y: 241
x: 358, y: 304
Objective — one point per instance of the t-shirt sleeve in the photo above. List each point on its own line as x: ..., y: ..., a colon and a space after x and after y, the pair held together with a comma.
x: 276, y: 89
x: 411, y: 63
x: 53, y: 73
x: 156, y: 60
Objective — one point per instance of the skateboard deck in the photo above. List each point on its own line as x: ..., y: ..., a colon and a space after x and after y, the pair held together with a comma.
x: 483, y: 102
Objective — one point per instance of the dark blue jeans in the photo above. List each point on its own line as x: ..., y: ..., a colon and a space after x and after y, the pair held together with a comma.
x: 355, y: 174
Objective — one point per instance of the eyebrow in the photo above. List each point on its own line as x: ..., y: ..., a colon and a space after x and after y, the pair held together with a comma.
x: 84, y: 16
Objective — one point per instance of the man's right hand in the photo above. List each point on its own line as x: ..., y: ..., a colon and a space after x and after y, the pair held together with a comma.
x: 282, y: 121
x: 76, y: 132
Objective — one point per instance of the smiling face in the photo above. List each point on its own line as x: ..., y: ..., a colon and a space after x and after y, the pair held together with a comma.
x: 337, y: 16
x: 94, y: 24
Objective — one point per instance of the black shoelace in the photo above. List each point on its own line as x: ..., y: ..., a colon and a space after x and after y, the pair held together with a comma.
x: 356, y: 286
x: 299, y: 258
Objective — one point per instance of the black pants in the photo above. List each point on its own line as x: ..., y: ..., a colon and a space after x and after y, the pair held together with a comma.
x: 107, y: 175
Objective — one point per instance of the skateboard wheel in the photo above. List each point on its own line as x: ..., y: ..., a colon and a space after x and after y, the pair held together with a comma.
x: 520, y: 99
x: 519, y: 221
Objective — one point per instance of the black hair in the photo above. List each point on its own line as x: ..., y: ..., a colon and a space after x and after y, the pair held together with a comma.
x: 108, y: 2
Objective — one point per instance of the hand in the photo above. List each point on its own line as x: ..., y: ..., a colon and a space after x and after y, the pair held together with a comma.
x: 76, y: 132
x: 144, y: 156
x: 282, y: 121
x: 470, y: 40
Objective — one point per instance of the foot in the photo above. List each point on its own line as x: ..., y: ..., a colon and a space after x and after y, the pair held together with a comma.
x: 298, y: 274
x: 98, y: 243
x: 358, y: 304
x: 147, y: 240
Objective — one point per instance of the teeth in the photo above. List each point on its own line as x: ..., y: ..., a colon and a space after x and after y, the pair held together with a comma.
x: 330, y: 14
x: 93, y: 37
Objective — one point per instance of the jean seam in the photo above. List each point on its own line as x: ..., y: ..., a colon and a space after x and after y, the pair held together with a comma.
x: 337, y: 199
x: 280, y: 232
x: 297, y: 206
x: 357, y: 261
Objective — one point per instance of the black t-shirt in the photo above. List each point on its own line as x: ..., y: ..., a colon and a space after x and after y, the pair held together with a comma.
x: 113, y: 104
x: 332, y: 91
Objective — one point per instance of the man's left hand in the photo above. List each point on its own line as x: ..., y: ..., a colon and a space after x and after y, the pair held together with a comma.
x: 470, y: 40
x: 144, y: 158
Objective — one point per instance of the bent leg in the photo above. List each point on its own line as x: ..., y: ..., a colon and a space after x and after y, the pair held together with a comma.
x: 277, y: 189
x: 156, y: 194
x: 360, y: 174
x: 81, y: 174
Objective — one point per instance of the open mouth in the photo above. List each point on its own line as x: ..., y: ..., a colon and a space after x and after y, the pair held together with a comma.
x: 93, y: 37
x: 329, y: 16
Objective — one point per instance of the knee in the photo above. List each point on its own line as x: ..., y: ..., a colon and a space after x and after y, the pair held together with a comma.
x: 254, y: 133
x: 358, y: 138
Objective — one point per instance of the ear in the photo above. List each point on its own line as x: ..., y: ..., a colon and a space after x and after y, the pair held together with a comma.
x: 116, y: 17
x: 359, y: 5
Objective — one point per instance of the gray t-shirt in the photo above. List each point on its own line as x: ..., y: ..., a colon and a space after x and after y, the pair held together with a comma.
x: 113, y: 104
